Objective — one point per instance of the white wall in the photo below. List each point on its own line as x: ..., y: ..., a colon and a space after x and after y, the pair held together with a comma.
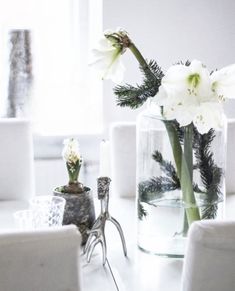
x: 165, y: 30
x: 169, y: 31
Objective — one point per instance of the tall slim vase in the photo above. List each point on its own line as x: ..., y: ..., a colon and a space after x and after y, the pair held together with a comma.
x: 20, y: 76
x: 165, y: 208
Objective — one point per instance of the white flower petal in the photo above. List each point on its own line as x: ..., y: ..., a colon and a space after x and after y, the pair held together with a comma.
x: 106, y: 60
x: 174, y: 79
x: 223, y: 82
x: 161, y: 97
x: 70, y: 151
x: 209, y: 115
x: 187, y: 96
x: 116, y: 72
x: 183, y: 114
x: 104, y: 44
x: 203, y: 89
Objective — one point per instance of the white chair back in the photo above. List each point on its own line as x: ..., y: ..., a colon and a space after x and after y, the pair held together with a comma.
x: 16, y: 160
x: 40, y: 260
x: 210, y: 257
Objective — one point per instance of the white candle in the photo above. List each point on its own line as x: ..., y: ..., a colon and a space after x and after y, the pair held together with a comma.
x: 104, y: 159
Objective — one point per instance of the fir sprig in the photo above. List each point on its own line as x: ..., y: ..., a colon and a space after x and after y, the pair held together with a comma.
x: 167, y: 168
x: 141, y: 211
x: 155, y: 187
x: 135, y: 96
x: 210, y: 173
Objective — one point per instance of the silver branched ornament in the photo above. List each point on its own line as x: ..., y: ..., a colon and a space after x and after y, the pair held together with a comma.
x: 97, y: 233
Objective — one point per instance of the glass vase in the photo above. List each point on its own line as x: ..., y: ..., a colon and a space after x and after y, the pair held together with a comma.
x: 180, y: 179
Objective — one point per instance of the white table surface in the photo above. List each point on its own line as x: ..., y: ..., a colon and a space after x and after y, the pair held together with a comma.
x: 136, y: 272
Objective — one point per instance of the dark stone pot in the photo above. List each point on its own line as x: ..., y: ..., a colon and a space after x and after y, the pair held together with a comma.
x: 79, y: 210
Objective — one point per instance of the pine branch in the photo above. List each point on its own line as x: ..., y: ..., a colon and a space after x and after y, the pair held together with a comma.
x: 210, y: 173
x: 196, y: 189
x: 166, y: 167
x: 135, y: 96
x: 203, y: 155
x: 141, y: 211
x: 154, y: 73
x: 214, y: 195
x: 155, y: 187
x: 209, y: 211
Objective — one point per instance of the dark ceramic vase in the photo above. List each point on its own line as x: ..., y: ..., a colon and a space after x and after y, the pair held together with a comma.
x: 79, y: 210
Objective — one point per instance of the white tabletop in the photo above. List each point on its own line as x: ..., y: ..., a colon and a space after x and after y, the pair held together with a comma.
x: 138, y: 271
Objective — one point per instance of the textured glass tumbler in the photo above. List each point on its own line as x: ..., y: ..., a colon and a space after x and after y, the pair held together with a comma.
x: 24, y: 219
x: 47, y: 211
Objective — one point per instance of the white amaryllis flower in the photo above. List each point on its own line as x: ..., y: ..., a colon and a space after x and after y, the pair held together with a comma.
x: 186, y: 95
x: 70, y: 151
x: 223, y: 82
x: 107, y: 57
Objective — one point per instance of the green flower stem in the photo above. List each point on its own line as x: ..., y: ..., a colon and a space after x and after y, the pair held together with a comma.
x: 139, y: 57
x: 188, y: 148
x: 73, y: 171
x: 188, y: 153
x: 183, y: 163
x: 185, y: 225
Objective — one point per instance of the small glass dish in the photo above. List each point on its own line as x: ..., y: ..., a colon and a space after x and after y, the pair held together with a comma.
x: 47, y: 210
x: 24, y: 219
x: 44, y: 211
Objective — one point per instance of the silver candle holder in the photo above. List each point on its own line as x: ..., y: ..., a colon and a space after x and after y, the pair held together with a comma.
x: 97, y: 233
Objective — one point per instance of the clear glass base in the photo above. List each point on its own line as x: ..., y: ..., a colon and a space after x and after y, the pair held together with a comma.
x: 161, y: 231
x: 170, y: 248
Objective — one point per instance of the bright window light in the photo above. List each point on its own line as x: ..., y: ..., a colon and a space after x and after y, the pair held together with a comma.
x: 67, y: 98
